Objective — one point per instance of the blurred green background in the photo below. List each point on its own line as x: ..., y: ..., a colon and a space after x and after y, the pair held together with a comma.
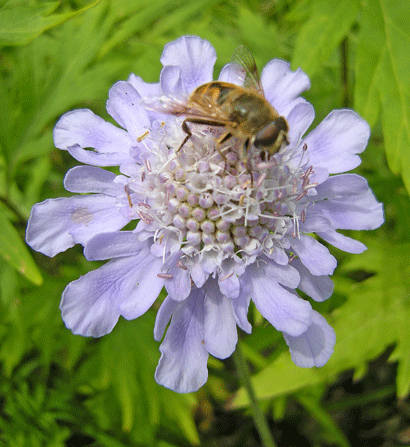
x: 57, y: 389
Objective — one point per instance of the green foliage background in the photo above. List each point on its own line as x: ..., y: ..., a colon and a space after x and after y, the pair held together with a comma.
x: 57, y: 389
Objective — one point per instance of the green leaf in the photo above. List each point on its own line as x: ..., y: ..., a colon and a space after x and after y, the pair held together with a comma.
x: 375, y: 316
x: 14, y: 251
x: 329, y: 22
x: 332, y: 430
x: 383, y: 76
x: 21, y: 24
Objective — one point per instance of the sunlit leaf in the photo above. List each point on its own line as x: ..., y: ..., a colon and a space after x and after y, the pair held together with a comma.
x: 328, y: 23
x: 21, y: 24
x: 383, y: 75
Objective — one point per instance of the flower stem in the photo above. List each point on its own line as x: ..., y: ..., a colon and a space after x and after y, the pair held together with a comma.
x: 344, y: 49
x: 258, y: 416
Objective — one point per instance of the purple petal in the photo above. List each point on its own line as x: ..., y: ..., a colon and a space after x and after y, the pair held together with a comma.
x: 229, y: 284
x: 85, y: 129
x: 315, y: 346
x: 220, y: 327
x: 351, y: 204
x: 171, y: 81
x: 299, y: 120
x: 98, y: 159
x: 198, y: 275
x: 164, y: 314
x: 241, y: 304
x: 124, y: 105
x: 85, y: 179
x: 285, y: 311
x: 179, y: 287
x: 144, y: 88
x: 283, y: 86
x: 194, y: 56
x: 58, y: 224
x: 90, y: 305
x: 342, y: 242
x: 183, y: 363
x: 314, y: 223
x: 315, y: 256
x: 112, y: 245
x: 147, y: 285
x: 320, y: 288
x: 336, y: 141
x: 283, y: 274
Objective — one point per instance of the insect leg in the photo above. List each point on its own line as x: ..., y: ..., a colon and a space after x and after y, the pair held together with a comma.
x: 196, y: 120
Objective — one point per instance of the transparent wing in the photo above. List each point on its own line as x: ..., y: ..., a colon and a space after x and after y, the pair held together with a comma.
x: 244, y: 58
x: 198, y: 107
x: 170, y: 105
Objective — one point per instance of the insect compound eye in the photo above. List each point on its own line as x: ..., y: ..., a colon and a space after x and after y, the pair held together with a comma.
x: 269, y: 134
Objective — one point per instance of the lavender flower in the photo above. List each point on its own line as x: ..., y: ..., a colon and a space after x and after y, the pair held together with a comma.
x: 214, y: 231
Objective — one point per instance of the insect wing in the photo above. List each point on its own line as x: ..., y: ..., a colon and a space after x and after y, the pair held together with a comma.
x: 170, y: 105
x: 244, y: 58
x: 200, y: 107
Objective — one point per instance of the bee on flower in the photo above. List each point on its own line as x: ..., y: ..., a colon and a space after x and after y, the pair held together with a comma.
x: 225, y: 190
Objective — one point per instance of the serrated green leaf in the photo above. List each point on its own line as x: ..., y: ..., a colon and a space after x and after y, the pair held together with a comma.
x: 21, y: 24
x: 383, y: 74
x: 329, y: 22
x: 375, y: 316
x: 14, y: 251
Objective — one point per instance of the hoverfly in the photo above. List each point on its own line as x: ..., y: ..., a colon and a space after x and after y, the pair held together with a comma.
x: 242, y: 111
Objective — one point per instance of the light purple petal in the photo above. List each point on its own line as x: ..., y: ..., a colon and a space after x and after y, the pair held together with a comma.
x: 124, y: 105
x: 299, y: 119
x: 86, y: 179
x: 314, y: 223
x: 342, y: 242
x: 179, y: 287
x: 100, y: 159
x: 336, y: 141
x: 90, y: 305
x: 315, y: 256
x: 283, y: 274
x: 183, y: 363
x: 83, y: 128
x: 315, y: 346
x: 283, y: 86
x: 351, y: 204
x: 58, y: 224
x: 171, y: 81
x: 229, y: 284
x: 220, y: 327
x: 320, y: 288
x: 112, y: 245
x: 195, y: 57
x: 144, y: 88
x: 163, y: 317
x: 198, y: 275
x: 285, y: 311
x: 241, y: 304
x: 147, y: 285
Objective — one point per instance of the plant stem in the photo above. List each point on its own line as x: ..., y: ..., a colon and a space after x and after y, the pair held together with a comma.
x: 258, y: 416
x: 345, y: 72
x: 10, y: 205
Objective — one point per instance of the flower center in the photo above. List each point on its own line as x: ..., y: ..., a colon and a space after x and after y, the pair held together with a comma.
x: 212, y: 199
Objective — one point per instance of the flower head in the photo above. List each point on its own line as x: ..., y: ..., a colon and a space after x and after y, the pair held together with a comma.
x: 214, y: 228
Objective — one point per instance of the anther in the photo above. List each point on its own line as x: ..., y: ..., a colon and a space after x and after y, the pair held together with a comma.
x: 165, y: 275
x: 143, y: 136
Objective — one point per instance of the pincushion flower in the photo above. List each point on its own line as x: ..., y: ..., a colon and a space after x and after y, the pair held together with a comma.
x: 215, y: 231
